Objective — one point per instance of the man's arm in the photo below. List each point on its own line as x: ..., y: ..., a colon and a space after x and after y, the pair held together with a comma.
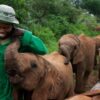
x: 33, y: 43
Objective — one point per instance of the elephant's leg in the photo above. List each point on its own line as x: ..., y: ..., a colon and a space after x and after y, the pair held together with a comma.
x: 89, y: 68
x: 79, y: 83
x: 27, y: 95
x: 99, y: 74
x: 85, y: 79
x: 60, y: 97
x: 79, y: 77
x: 71, y: 93
x: 39, y: 96
x: 41, y: 93
x: 15, y: 94
x: 18, y: 94
x: 99, y: 69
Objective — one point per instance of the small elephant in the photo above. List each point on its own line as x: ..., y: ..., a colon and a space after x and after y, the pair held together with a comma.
x: 93, y: 94
x: 80, y: 50
x: 44, y: 76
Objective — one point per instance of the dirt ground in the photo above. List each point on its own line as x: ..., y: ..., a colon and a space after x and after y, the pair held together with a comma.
x: 92, y: 80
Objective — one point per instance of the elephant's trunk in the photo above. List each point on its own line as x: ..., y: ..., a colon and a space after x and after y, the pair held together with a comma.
x: 64, y: 50
x: 11, y: 52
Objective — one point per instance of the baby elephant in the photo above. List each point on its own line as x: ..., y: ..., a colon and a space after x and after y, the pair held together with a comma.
x: 46, y: 77
x: 80, y: 51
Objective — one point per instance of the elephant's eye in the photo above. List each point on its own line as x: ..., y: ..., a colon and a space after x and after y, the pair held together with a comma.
x: 34, y: 65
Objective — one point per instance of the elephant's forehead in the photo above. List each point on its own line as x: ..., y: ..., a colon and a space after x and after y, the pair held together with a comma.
x: 69, y: 42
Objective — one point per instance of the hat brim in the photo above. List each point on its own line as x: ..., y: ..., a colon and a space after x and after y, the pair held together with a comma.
x: 12, y: 20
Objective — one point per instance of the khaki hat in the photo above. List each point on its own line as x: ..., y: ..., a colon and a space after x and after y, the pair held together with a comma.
x: 7, y: 14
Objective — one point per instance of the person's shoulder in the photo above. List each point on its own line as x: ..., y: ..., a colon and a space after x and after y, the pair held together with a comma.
x: 26, y: 37
x: 22, y: 31
x: 27, y: 32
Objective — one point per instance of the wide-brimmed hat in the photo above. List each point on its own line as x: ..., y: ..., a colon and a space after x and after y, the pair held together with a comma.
x: 7, y: 14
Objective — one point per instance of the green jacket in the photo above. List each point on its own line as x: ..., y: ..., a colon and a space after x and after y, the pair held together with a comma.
x: 29, y: 43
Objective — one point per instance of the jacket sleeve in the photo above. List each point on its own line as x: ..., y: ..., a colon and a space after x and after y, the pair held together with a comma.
x: 33, y: 44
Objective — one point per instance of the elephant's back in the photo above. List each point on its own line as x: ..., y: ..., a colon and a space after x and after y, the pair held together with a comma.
x: 58, y: 61
x: 64, y: 75
x: 87, y: 41
x: 88, y: 49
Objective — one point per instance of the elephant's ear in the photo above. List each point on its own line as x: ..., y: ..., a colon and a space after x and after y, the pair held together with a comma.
x: 78, y: 57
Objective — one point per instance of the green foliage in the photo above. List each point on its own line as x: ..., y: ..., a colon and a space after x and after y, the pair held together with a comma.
x: 93, y: 6
x: 58, y: 25
x: 82, y: 29
x: 50, y: 19
x: 47, y: 36
x: 87, y: 19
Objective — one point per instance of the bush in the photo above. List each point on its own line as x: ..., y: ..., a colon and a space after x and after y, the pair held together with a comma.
x: 58, y: 25
x: 47, y: 36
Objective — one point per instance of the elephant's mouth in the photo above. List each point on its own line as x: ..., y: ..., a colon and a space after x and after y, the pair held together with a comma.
x: 15, y: 77
x: 12, y: 72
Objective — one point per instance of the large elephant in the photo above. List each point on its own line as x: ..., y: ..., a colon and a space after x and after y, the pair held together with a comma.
x: 44, y: 76
x: 80, y: 50
x: 93, y: 94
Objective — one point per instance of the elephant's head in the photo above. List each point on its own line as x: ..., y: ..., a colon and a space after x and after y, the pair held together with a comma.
x: 69, y: 46
x: 28, y: 71
x: 24, y: 69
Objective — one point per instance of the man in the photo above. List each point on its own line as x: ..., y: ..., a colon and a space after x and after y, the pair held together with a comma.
x: 29, y: 43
